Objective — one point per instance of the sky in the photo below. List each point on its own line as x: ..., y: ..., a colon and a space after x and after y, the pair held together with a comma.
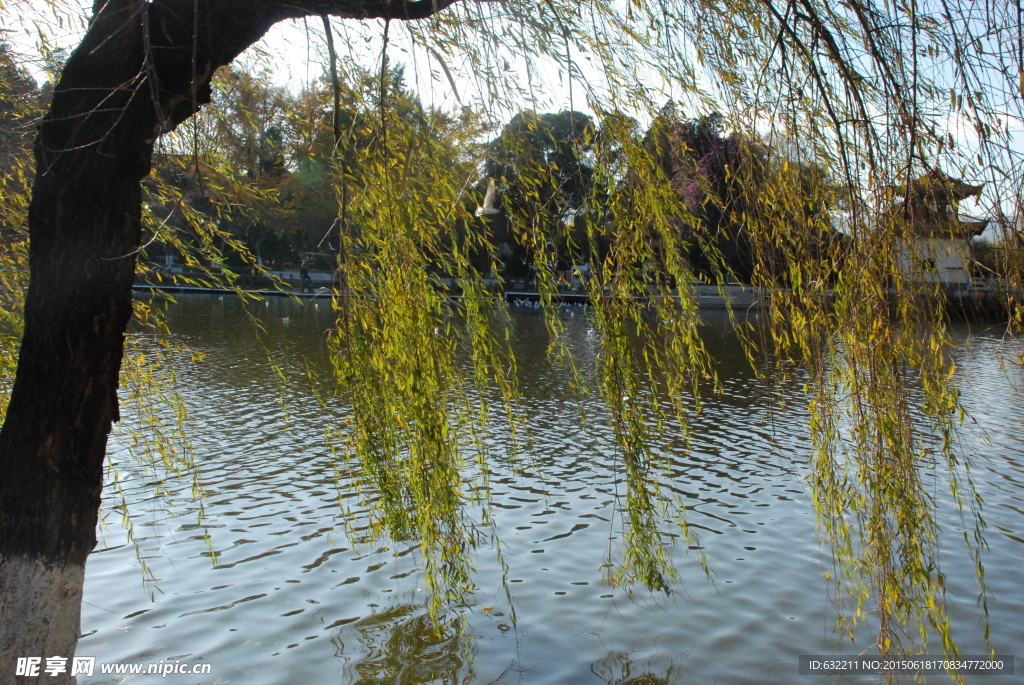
x: 293, y: 54
x: 295, y: 51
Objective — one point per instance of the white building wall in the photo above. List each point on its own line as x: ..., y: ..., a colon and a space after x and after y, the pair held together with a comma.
x: 937, y: 260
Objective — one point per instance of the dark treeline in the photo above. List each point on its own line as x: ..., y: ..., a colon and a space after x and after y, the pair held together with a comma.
x: 263, y: 169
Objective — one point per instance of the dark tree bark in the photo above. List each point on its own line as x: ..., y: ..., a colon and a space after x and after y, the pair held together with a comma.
x: 142, y: 69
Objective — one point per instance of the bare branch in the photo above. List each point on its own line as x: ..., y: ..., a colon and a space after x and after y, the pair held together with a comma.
x: 365, y: 9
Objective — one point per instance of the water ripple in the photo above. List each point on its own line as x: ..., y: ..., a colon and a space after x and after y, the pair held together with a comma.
x: 268, y: 582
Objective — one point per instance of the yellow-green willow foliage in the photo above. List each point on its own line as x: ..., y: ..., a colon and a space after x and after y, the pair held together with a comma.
x: 20, y: 109
x: 398, y: 351
x: 884, y: 418
x: 837, y: 107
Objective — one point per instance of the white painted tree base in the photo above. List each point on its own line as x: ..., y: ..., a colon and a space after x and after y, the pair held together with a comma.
x: 40, y: 616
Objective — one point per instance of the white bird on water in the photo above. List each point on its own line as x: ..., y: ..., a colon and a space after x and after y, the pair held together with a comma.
x: 490, y: 197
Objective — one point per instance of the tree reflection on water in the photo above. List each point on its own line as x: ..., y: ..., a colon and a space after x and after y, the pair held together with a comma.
x: 617, y: 668
x: 402, y: 645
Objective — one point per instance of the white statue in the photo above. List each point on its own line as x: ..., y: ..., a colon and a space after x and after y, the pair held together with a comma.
x: 490, y: 197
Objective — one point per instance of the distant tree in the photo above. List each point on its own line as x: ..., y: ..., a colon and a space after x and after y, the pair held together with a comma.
x: 330, y: 193
x: 802, y: 197
x: 707, y: 168
x: 19, y: 106
x: 21, y: 109
x: 245, y: 126
x: 731, y: 188
x: 544, y: 167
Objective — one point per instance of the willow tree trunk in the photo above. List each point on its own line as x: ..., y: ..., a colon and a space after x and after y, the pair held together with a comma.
x: 142, y: 68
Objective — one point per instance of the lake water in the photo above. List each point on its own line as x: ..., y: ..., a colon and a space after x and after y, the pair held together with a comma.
x: 290, y: 600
